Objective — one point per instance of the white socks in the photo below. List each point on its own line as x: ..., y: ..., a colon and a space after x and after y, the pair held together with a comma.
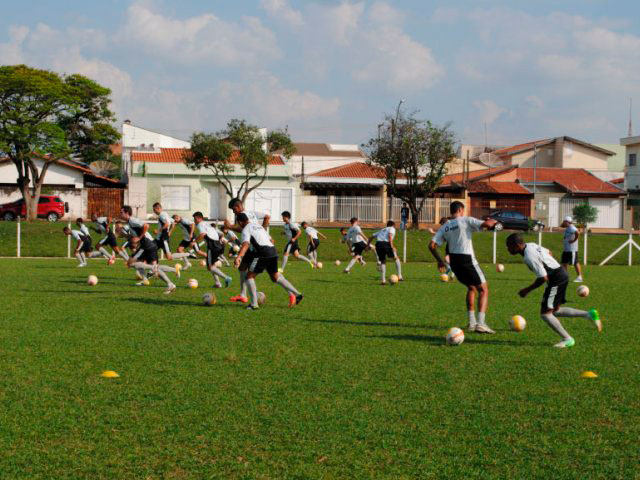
x: 555, y: 325
x: 285, y: 259
x: 284, y: 283
x: 399, y: 267
x: 253, y: 291
x: 80, y: 258
x: 383, y: 272
x: 472, y: 317
x: 571, y: 312
x: 215, y: 271
x: 481, y: 316
x: 351, y: 263
x: 124, y: 255
x: 243, y: 284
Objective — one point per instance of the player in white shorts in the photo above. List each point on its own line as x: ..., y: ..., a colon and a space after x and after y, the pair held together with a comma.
x: 293, y: 232
x: 313, y: 242
x: 457, y: 232
x: 358, y: 241
x: 265, y: 257
x: 385, y: 248
x: 547, y: 270
x: 215, y: 248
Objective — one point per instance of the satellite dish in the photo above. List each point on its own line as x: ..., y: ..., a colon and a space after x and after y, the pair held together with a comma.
x: 490, y: 160
x: 104, y: 168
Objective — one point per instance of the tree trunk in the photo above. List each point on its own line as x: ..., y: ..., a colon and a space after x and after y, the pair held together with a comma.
x: 415, y: 217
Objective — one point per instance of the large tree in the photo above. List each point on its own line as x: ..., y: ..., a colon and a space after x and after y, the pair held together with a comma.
x: 414, y: 155
x: 45, y: 117
x: 238, y: 156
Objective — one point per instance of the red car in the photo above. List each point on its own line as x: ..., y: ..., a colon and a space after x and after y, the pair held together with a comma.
x: 50, y: 207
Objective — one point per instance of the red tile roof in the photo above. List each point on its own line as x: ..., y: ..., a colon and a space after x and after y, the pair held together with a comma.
x: 501, y: 152
x: 176, y: 155
x: 509, y: 188
x: 575, y: 180
x: 352, y: 170
x: 618, y: 181
x: 476, y: 174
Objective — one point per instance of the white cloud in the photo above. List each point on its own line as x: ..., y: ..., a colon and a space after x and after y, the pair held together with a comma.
x: 203, y: 38
x: 488, y: 111
x: 11, y: 52
x: 281, y: 10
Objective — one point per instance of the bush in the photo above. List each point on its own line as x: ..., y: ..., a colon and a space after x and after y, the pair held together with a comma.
x: 584, y: 214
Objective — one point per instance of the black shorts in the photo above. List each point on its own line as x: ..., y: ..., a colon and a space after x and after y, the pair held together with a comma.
x: 292, y: 247
x: 86, y: 246
x: 163, y: 244
x: 260, y: 264
x: 446, y: 249
x: 147, y: 253
x: 554, y: 295
x: 213, y: 253
x: 185, y: 244
x: 384, y: 250
x: 467, y: 269
x: 569, y: 258
x: 110, y: 240
x: 314, y: 243
x: 246, y: 260
x: 358, y: 248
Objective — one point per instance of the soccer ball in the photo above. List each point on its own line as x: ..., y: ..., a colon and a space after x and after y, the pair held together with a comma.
x: 393, y: 279
x: 203, y: 263
x: 209, y: 299
x: 261, y: 298
x: 92, y: 280
x: 319, y: 265
x: 236, y: 248
x: 455, y: 336
x: 338, y: 262
x: 192, y: 283
x: 583, y: 291
x: 444, y: 277
x: 218, y: 264
x: 111, y: 261
x: 499, y: 268
x: 517, y: 323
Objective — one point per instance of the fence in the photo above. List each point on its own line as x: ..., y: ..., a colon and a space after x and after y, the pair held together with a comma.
x: 323, y: 209
x: 427, y: 214
x: 367, y: 209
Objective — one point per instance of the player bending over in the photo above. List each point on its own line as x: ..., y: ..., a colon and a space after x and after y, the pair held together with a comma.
x: 457, y: 232
x: 103, y: 227
x: 264, y: 257
x: 215, y: 248
x: 293, y: 232
x: 570, y: 247
x: 313, y: 242
x: 258, y: 218
x: 359, y: 242
x: 232, y: 240
x: 547, y: 270
x: 83, y: 245
x: 385, y: 248
x: 165, y: 227
x: 188, y: 232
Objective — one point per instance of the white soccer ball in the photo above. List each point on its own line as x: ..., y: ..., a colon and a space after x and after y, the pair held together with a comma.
x: 261, y: 298
x: 92, y: 280
x: 203, y: 263
x: 499, y: 268
x: 218, y: 264
x: 583, y: 291
x: 192, y: 283
x: 319, y: 265
x: 517, y: 323
x: 393, y: 279
x: 236, y: 248
x: 338, y: 262
x: 209, y: 299
x: 455, y: 336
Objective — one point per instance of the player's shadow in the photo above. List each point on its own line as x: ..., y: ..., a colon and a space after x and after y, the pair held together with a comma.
x: 84, y: 282
x: 440, y: 340
x: 375, y: 324
x: 163, y: 301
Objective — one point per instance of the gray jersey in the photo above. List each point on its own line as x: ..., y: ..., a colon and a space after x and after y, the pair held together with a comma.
x: 164, y: 220
x: 186, y: 224
x: 78, y: 235
x: 84, y: 230
x: 102, y: 224
x: 383, y: 235
x: 539, y: 260
x: 569, y: 234
x: 354, y: 234
x: 457, y: 232
x: 291, y: 230
x: 136, y: 225
x: 259, y: 240
x: 211, y: 233
x: 255, y: 217
x: 311, y: 232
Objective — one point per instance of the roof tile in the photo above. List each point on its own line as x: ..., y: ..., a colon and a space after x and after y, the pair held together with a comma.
x: 176, y: 155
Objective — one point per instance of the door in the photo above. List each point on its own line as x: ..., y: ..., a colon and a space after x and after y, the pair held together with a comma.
x: 609, y: 212
x: 554, y: 207
x: 272, y: 200
x: 214, y: 202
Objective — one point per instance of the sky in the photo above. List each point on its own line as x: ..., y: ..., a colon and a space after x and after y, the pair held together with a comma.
x: 329, y: 70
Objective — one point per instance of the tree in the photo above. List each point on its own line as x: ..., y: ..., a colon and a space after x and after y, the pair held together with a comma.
x: 584, y: 214
x: 45, y: 117
x: 239, y: 151
x: 414, y: 155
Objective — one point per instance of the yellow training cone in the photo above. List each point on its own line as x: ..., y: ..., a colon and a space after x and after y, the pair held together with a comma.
x: 109, y: 374
x: 589, y: 374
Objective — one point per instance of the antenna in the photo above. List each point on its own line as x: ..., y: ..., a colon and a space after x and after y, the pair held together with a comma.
x: 485, y: 136
x: 630, y: 132
x: 491, y: 160
x: 103, y: 168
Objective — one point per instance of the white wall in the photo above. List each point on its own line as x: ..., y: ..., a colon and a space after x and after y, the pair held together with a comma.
x: 56, y: 174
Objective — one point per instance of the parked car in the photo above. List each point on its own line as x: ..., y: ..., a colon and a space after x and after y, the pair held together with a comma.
x: 50, y: 207
x: 515, y: 221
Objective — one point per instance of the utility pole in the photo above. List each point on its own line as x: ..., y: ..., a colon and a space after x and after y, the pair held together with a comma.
x: 535, y: 166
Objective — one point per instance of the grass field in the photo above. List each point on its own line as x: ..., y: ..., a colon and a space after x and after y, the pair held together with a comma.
x: 356, y: 382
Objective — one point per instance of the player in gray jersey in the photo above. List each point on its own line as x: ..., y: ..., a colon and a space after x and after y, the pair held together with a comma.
x: 258, y: 218
x: 264, y: 257
x: 385, y: 248
x: 358, y: 241
x: 457, y: 232
x: 165, y: 224
x: 313, y: 241
x: 293, y: 232
x: 102, y: 225
x: 548, y: 270
x: 84, y: 230
x: 83, y: 245
x: 215, y: 248
x: 570, y: 247
x: 188, y: 228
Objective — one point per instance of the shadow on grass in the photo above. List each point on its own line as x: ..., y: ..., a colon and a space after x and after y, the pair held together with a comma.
x: 440, y: 340
x: 167, y: 301
x: 375, y: 324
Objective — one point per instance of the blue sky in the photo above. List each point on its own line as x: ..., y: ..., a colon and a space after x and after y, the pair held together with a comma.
x: 330, y: 69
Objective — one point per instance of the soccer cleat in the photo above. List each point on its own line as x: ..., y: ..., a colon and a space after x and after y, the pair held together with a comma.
x: 401, y: 279
x: 111, y: 260
x: 312, y: 266
x: 280, y: 270
x: 170, y: 289
x: 292, y: 300
x: 227, y: 282
x: 578, y: 280
x: 217, y: 285
x: 383, y: 283
x: 143, y: 283
x: 82, y: 265
x: 363, y: 263
x: 484, y: 328
x: 569, y: 342
x: 239, y: 298
x: 299, y: 298
x: 346, y: 271
x: 251, y: 307
x: 471, y: 327
x: 178, y: 270
x: 595, y: 317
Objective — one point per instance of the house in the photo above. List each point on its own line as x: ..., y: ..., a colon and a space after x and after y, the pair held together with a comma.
x: 631, y: 181
x: 85, y: 192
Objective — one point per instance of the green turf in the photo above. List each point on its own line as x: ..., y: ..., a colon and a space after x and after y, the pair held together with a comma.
x: 356, y: 382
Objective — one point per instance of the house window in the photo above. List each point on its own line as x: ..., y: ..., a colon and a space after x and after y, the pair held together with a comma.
x: 632, y: 159
x: 174, y: 197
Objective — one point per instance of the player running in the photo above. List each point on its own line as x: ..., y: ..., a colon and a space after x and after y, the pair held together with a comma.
x: 293, y: 232
x: 235, y: 204
x: 233, y: 241
x: 457, y: 232
x: 188, y: 232
x: 215, y: 248
x: 549, y: 271
x: 359, y: 242
x: 264, y: 257
x: 103, y: 227
x: 570, y: 247
x: 385, y: 248
x: 83, y: 245
x: 313, y: 242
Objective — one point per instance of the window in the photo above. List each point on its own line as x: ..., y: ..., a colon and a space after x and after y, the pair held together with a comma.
x: 174, y: 197
x: 43, y: 200
x: 632, y: 159
x: 57, y: 200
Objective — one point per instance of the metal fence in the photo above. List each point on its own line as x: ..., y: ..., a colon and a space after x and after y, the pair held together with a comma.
x: 323, y: 209
x: 367, y: 209
x: 427, y: 214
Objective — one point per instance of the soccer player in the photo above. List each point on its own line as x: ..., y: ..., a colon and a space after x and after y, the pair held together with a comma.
x: 457, y: 232
x: 570, y: 244
x: 259, y: 218
x: 146, y: 255
x: 313, y: 242
x: 264, y: 257
x: 404, y: 216
x: 84, y: 230
x: 83, y: 245
x: 215, y: 248
x: 548, y: 271
x: 103, y: 226
x: 385, y: 248
x: 293, y: 232
x: 188, y: 231
x: 232, y: 240
x: 165, y: 224
x: 359, y: 242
